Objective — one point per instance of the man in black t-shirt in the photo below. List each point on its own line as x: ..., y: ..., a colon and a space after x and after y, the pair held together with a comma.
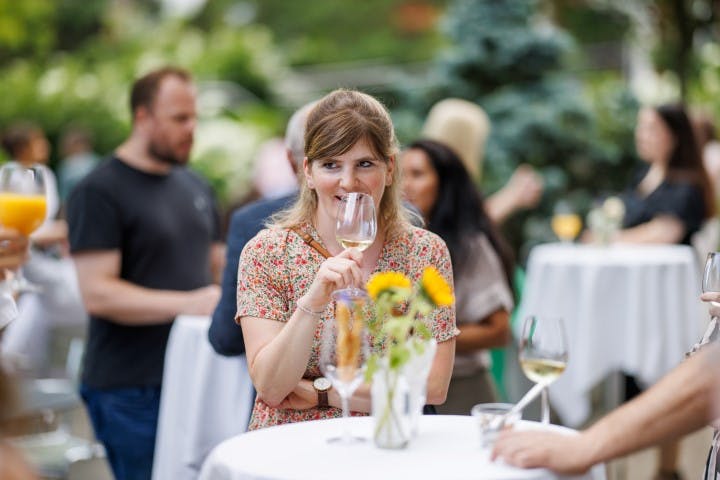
x: 144, y: 237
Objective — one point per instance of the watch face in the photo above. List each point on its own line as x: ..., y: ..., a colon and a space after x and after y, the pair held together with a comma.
x: 322, y: 384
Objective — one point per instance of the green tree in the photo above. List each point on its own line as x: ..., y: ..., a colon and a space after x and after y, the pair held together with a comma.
x: 513, y: 63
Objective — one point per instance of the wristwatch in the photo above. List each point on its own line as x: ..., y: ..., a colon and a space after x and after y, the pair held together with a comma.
x: 321, y: 386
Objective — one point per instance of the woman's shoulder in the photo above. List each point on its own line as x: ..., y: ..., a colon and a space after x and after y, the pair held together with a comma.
x: 415, y: 243
x: 419, y: 235
x: 267, y: 240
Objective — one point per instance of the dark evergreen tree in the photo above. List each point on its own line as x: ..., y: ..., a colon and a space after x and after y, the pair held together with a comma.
x: 511, y: 61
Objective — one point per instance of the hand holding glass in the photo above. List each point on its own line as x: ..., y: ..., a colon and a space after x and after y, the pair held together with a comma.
x: 711, y: 275
x: 23, y: 207
x: 344, y: 350
x: 543, y: 353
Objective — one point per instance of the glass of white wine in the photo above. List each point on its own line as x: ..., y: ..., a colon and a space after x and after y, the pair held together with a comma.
x: 543, y: 353
x: 356, y: 225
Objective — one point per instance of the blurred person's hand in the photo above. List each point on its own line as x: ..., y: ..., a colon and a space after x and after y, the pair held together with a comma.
x: 522, y: 191
x: 714, y: 299
x: 13, y: 250
x: 562, y: 453
x: 202, y: 301
x: 526, y: 186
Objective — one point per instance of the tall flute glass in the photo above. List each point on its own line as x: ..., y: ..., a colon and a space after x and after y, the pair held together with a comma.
x: 543, y: 354
x: 344, y: 350
x: 23, y: 207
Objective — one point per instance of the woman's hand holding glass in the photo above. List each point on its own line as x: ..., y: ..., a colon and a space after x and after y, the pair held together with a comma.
x: 335, y: 273
x: 23, y: 207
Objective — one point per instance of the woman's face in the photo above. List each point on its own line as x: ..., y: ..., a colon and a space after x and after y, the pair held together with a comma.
x: 357, y: 170
x: 420, y: 180
x: 653, y: 139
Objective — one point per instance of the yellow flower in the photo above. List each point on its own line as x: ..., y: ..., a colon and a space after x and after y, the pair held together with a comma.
x: 386, y: 281
x: 435, y: 288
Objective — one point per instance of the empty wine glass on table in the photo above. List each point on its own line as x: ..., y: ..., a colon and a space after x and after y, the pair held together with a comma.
x: 566, y: 223
x: 356, y: 222
x: 543, y: 354
x: 23, y: 207
x: 344, y: 351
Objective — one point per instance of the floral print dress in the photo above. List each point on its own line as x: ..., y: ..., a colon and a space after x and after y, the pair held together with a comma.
x: 276, y: 269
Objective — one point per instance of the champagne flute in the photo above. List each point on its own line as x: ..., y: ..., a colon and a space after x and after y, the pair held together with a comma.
x: 344, y: 350
x: 356, y: 225
x: 711, y: 275
x: 566, y: 223
x: 23, y: 207
x: 543, y: 353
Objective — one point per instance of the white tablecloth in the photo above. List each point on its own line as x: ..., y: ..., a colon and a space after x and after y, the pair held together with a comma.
x: 626, y: 307
x: 447, y: 447
x: 206, y: 398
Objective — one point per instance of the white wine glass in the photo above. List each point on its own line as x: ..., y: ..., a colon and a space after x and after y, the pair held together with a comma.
x: 356, y: 225
x: 543, y: 353
x: 566, y: 223
x: 711, y: 275
x: 23, y: 207
x: 344, y: 350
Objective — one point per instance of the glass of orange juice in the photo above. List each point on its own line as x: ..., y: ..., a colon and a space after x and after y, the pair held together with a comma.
x: 566, y: 223
x: 23, y: 207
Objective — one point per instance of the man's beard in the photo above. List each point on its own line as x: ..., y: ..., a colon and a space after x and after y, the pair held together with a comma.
x: 166, y: 155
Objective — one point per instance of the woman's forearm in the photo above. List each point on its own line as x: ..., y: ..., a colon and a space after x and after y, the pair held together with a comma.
x: 278, y: 365
x: 493, y: 331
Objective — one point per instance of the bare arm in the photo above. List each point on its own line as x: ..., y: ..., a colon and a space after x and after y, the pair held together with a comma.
x: 680, y: 403
x: 523, y: 190
x: 661, y: 229
x: 278, y: 353
x: 106, y: 295
x: 217, y: 261
x: 493, y: 331
x: 303, y: 396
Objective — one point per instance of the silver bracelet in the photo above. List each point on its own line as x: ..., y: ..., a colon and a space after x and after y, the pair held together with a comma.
x: 308, y: 311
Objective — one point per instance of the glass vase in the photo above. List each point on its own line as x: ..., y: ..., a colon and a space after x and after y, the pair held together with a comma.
x: 390, y: 393
x: 416, y: 371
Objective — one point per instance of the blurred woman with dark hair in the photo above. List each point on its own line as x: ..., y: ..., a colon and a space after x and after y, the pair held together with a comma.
x: 437, y: 183
x: 672, y: 195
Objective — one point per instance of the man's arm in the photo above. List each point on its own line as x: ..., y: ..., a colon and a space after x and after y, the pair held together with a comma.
x: 217, y: 261
x: 682, y: 402
x: 108, y: 296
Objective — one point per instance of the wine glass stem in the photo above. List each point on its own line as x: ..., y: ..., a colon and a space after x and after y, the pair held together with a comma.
x: 545, y: 406
x: 346, y: 416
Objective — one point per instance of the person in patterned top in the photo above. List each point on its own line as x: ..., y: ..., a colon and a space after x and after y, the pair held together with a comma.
x: 284, y: 283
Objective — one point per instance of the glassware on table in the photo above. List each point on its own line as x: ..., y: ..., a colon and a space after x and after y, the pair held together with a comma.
x: 492, y: 418
x: 543, y: 353
x: 566, y: 223
x: 711, y: 275
x: 23, y: 207
x: 344, y: 350
x: 356, y: 225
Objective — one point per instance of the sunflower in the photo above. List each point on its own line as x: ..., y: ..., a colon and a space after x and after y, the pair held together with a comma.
x: 435, y: 289
x: 386, y: 282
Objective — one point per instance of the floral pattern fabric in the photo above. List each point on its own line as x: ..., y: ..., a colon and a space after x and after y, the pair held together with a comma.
x: 277, y: 267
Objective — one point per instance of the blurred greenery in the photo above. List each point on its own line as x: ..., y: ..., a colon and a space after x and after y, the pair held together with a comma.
x: 549, y: 73
x: 85, y: 83
x: 576, y: 133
